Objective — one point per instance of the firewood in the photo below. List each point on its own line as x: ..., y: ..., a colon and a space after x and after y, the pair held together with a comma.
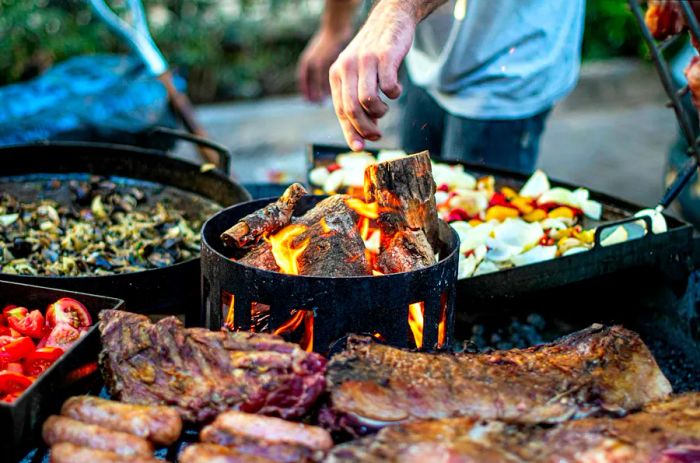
x: 267, y: 220
x: 335, y: 247
x: 406, y: 187
x: 261, y: 257
x: 407, y: 250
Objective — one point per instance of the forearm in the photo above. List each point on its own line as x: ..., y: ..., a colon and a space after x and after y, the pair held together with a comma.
x: 338, y: 16
x: 416, y: 9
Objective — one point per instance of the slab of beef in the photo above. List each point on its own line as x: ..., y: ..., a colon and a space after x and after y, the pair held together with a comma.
x: 203, y: 373
x: 599, y: 369
x: 663, y: 433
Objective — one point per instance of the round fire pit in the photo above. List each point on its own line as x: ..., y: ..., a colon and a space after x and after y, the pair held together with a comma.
x: 409, y: 309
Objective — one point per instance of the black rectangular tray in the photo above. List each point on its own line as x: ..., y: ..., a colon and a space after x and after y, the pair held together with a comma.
x: 20, y: 421
x: 671, y: 251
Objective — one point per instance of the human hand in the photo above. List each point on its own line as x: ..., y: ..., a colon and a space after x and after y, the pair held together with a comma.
x: 315, y: 62
x: 371, y: 63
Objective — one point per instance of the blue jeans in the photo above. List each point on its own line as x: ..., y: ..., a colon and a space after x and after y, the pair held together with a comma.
x: 507, y: 144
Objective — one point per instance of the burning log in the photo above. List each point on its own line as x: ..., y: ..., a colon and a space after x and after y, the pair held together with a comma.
x: 407, y: 250
x: 406, y: 187
x: 323, y: 242
x: 267, y: 220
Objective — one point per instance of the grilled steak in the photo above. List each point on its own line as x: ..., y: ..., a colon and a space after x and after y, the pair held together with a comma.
x: 202, y: 373
x: 593, y: 370
x: 664, y: 433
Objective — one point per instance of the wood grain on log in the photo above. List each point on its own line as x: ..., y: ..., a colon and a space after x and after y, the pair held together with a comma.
x: 406, y: 251
x: 406, y: 186
x: 267, y: 220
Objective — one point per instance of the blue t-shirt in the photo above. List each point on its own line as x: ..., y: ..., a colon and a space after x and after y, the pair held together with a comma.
x: 498, y: 59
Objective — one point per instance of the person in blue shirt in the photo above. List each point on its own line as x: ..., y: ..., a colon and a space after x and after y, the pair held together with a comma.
x: 482, y: 74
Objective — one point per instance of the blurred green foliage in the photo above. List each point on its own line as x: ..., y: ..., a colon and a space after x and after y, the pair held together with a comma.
x: 611, y: 31
x: 226, y: 49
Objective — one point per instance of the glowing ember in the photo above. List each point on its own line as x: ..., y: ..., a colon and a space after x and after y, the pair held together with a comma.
x: 415, y: 321
x: 324, y: 226
x: 286, y: 255
x: 373, y: 242
x: 369, y: 210
x: 442, y: 325
x: 291, y: 325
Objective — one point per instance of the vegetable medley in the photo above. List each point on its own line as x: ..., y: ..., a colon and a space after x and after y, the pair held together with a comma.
x: 31, y: 341
x: 498, y: 227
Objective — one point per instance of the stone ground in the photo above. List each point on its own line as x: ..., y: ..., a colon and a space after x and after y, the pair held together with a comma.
x: 611, y: 134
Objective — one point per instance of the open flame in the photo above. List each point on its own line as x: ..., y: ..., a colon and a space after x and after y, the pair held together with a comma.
x: 230, y: 321
x: 416, y: 312
x: 286, y: 254
x: 369, y: 210
x: 290, y: 326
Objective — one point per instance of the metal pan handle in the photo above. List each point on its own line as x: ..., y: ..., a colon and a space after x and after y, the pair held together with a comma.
x: 599, y: 230
x: 224, y: 153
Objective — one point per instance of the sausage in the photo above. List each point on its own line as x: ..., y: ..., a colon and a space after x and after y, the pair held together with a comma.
x: 273, y: 430
x: 212, y: 453
x: 59, y: 429
x: 281, y: 453
x: 65, y: 452
x: 159, y: 424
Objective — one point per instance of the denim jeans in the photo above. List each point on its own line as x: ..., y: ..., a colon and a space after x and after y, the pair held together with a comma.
x: 507, y: 144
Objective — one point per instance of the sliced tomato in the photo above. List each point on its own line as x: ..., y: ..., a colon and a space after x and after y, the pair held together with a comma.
x: 16, y: 367
x: 41, y: 359
x: 62, y: 335
x: 5, y: 331
x: 9, y: 398
x: 67, y: 310
x: 31, y: 324
x: 13, y: 310
x: 16, y: 349
x: 11, y: 382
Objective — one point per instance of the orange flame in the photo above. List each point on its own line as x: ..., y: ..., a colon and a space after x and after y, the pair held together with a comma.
x: 416, y: 311
x: 229, y: 323
x: 299, y: 316
x: 324, y: 226
x: 286, y: 256
x: 442, y: 325
x: 369, y: 210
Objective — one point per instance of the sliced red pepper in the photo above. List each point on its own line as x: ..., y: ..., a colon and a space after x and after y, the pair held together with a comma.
x: 16, y: 350
x: 11, y: 382
x: 15, y: 367
x: 333, y: 167
x: 9, y: 398
x: 31, y: 324
x: 41, y: 359
x: 69, y: 311
x: 458, y: 214
x: 14, y: 310
x: 444, y: 187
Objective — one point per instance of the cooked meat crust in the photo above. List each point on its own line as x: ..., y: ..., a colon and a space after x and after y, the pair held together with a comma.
x: 599, y: 369
x: 668, y: 432
x: 160, y: 425
x: 58, y: 429
x: 212, y: 453
x: 203, y: 373
x: 66, y: 452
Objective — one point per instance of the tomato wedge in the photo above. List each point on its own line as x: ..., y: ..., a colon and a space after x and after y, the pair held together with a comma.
x: 40, y: 360
x: 16, y: 349
x: 14, y: 310
x: 11, y: 382
x: 70, y: 311
x: 31, y: 324
x: 62, y: 335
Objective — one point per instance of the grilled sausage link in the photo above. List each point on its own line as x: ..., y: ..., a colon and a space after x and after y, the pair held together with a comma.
x: 281, y: 453
x: 65, y: 452
x: 59, y: 429
x: 161, y: 425
x: 273, y: 430
x: 211, y: 453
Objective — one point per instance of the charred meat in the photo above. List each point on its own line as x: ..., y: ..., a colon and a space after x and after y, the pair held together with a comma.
x: 203, y: 373
x: 667, y: 432
x: 599, y: 369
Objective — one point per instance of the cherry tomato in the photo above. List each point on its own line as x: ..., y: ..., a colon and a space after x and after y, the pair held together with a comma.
x: 62, y: 335
x: 16, y: 349
x: 31, y: 324
x: 41, y: 359
x: 67, y: 310
x: 11, y: 382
